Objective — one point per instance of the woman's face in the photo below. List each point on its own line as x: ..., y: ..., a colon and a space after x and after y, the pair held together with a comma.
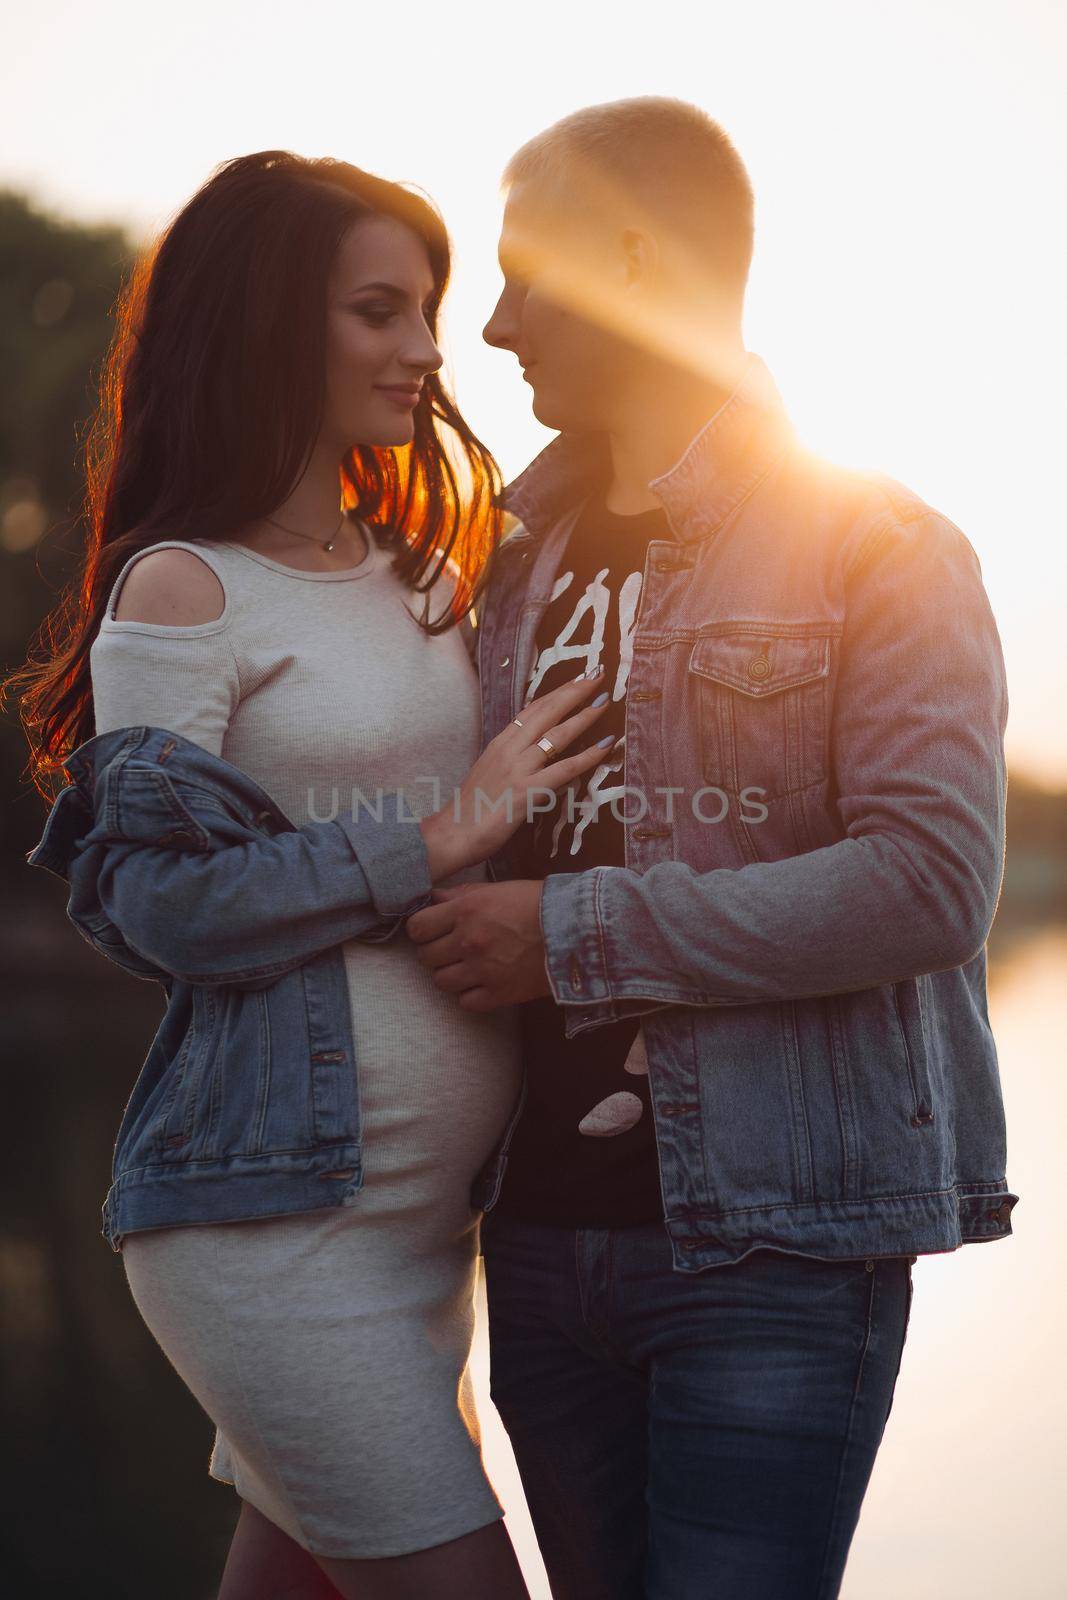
x: 379, y: 348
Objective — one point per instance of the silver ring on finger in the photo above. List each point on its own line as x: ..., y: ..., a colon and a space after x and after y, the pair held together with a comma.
x: 518, y: 722
x: 545, y: 744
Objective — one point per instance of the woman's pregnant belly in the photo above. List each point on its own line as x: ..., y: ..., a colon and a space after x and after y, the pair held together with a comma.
x: 437, y: 1084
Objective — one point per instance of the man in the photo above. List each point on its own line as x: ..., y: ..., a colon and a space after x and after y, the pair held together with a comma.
x: 749, y: 955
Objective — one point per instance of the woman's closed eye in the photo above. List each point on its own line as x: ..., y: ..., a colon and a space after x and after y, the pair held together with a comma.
x: 379, y: 315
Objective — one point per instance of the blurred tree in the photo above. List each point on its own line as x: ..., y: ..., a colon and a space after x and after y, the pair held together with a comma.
x: 1035, y: 872
x: 58, y: 282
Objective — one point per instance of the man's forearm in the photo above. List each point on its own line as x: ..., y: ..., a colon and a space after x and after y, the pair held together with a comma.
x: 864, y: 911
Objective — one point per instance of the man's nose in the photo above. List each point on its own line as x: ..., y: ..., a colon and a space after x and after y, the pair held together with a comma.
x: 499, y: 330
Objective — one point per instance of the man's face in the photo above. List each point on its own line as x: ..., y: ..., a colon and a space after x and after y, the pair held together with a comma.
x: 553, y: 276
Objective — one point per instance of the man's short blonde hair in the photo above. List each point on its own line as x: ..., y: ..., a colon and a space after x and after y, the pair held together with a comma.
x: 664, y: 156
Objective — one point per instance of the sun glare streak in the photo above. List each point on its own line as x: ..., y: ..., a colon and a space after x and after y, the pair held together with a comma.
x: 559, y: 242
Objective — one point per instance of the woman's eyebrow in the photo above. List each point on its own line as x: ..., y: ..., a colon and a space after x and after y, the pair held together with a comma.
x: 384, y: 288
x: 387, y: 288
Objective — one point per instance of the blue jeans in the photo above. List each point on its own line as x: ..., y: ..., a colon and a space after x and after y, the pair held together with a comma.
x: 680, y: 1436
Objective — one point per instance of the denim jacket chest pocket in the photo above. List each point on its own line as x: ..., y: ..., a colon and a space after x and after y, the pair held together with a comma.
x: 763, y: 708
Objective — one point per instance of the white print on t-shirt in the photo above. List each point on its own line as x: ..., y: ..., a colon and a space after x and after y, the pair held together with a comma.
x: 636, y: 1062
x: 629, y: 594
x: 622, y: 1111
x: 598, y: 793
x: 597, y: 598
x: 594, y: 597
x: 617, y: 1114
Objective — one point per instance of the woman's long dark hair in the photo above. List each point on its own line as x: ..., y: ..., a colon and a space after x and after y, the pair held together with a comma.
x: 212, y: 397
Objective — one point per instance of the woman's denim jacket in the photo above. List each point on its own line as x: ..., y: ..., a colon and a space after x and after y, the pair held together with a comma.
x: 814, y: 750
x: 183, y: 870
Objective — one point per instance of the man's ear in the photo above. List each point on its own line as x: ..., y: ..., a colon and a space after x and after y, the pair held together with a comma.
x: 640, y: 257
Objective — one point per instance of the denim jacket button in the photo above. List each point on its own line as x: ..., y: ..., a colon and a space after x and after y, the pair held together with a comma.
x: 759, y: 668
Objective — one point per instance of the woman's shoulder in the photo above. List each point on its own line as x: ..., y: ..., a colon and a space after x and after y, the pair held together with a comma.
x: 164, y: 654
x: 171, y: 585
x: 172, y: 582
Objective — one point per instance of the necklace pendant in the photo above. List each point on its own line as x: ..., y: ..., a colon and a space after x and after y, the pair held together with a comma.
x: 328, y: 545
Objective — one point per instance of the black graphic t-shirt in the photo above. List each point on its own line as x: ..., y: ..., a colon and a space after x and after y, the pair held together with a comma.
x: 584, y: 1151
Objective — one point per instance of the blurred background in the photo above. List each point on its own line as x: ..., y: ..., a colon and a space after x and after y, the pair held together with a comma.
x: 907, y: 294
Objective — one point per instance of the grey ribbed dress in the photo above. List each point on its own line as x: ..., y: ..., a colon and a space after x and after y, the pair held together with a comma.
x: 330, y: 1348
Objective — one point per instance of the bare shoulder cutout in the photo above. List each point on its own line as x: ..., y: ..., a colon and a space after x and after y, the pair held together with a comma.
x: 170, y: 587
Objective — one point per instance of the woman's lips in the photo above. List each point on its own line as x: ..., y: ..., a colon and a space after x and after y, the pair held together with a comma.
x: 406, y: 399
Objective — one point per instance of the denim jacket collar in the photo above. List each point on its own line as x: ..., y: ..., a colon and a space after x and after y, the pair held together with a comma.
x: 162, y: 747
x: 719, y: 468
x: 69, y: 821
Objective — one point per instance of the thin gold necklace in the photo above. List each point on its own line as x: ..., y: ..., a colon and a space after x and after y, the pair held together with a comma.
x: 327, y: 544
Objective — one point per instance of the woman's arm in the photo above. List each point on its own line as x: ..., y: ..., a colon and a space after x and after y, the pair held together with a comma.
x: 254, y: 908
x: 248, y: 912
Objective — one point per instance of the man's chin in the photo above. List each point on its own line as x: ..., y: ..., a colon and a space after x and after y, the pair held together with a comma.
x: 556, y: 414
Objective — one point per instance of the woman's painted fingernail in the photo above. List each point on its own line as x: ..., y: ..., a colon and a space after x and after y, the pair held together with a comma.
x: 602, y: 742
x: 602, y: 699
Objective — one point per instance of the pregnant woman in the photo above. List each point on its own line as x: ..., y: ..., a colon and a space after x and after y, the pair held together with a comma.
x: 269, y: 488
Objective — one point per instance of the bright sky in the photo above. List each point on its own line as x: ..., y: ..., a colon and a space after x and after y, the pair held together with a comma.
x: 908, y: 160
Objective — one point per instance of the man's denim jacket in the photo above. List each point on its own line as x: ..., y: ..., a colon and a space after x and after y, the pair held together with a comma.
x: 815, y: 782
x: 814, y: 659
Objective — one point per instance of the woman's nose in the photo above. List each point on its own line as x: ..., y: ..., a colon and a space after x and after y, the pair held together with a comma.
x: 424, y: 356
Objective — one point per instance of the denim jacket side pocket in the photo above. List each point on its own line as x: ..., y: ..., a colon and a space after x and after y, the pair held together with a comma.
x: 909, y: 1015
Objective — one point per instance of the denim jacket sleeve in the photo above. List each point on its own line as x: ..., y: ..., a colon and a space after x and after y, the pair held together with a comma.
x: 194, y: 892
x: 917, y: 753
